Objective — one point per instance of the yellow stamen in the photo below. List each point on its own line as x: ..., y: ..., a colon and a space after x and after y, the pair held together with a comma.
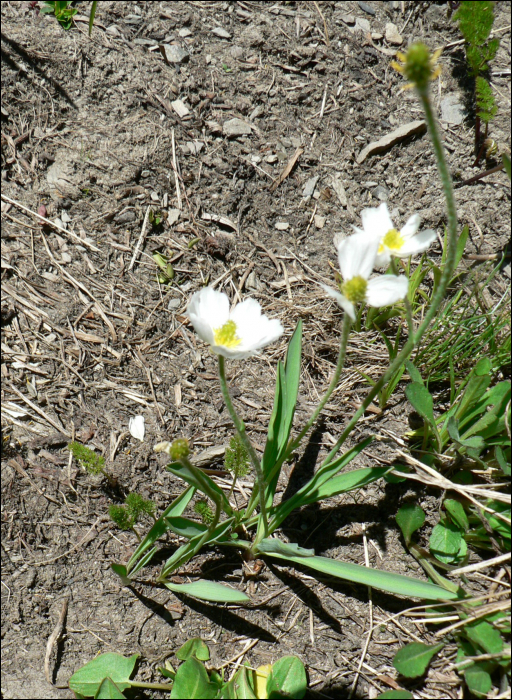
x: 355, y: 289
x: 392, y: 240
x: 226, y: 335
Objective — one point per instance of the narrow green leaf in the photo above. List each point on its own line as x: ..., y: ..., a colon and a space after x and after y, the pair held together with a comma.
x: 239, y: 686
x: 193, y: 647
x: 192, y: 681
x: 412, y: 660
x: 506, y: 164
x: 121, y: 571
x: 477, y: 679
x: 287, y: 678
x: 445, y: 538
x: 410, y: 518
x: 383, y: 580
x: 108, y: 690
x: 209, y: 590
x: 457, y: 513
x: 161, y: 527
x: 452, y: 427
x: 143, y: 561
x: 344, y: 482
x: 461, y: 245
x: 184, y: 527
x: 91, y: 16
x: 395, y: 695
x: 88, y: 679
x: 479, y: 380
x: 196, y: 477
x: 321, y: 477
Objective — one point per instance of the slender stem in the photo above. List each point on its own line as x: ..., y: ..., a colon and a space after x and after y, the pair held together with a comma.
x: 293, y: 444
x: 240, y: 429
x: 437, y: 298
x: 153, y: 686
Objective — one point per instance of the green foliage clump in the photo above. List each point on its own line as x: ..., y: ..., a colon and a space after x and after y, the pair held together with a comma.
x: 90, y: 461
x: 63, y: 11
x: 236, y: 459
x: 203, y: 509
x: 127, y: 515
x: 475, y: 23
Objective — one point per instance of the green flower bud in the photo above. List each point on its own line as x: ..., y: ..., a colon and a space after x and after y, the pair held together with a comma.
x: 179, y: 449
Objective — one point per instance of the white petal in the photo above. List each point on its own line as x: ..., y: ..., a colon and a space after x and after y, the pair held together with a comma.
x: 386, y: 289
x: 383, y: 259
x: 136, y: 427
x: 377, y: 221
x: 208, y: 310
x: 345, y: 304
x: 417, y: 244
x: 356, y: 255
x: 411, y: 226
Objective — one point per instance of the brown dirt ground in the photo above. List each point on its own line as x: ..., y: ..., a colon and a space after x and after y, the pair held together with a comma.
x: 91, y: 339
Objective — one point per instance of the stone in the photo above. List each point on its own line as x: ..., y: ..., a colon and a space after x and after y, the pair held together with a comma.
x: 381, y: 193
x: 403, y: 132
x: 366, y: 7
x: 173, y: 53
x: 319, y: 221
x: 184, y: 32
x: 362, y: 25
x: 236, y: 127
x: 221, y: 33
x: 310, y: 185
x: 236, y: 52
x: 172, y: 216
x: 392, y: 34
x: 348, y: 19
x: 337, y: 186
x: 452, y: 111
x: 180, y: 108
x: 282, y: 225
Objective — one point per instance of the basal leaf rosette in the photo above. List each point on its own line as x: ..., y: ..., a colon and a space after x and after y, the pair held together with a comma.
x: 237, y: 334
x: 357, y: 255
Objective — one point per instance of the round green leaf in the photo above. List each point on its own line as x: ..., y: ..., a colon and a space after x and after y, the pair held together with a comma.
x: 445, y: 539
x: 478, y: 681
x: 88, y: 679
x: 193, y: 647
x: 412, y: 660
x: 287, y: 679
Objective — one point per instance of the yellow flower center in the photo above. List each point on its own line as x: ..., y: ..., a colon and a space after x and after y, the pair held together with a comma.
x: 355, y: 289
x: 226, y: 335
x: 392, y: 240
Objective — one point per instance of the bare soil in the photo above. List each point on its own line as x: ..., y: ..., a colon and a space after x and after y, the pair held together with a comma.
x: 91, y: 130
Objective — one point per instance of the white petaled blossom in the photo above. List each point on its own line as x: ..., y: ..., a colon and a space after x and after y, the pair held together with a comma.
x: 400, y: 244
x: 235, y: 334
x: 356, y: 256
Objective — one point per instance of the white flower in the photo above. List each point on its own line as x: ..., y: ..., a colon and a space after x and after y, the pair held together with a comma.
x: 401, y: 244
x: 240, y: 333
x: 356, y: 256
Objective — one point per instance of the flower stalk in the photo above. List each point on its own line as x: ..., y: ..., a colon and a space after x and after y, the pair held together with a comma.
x: 240, y: 429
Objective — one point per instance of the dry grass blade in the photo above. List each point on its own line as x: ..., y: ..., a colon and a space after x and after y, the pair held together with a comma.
x: 289, y: 167
x: 53, y: 639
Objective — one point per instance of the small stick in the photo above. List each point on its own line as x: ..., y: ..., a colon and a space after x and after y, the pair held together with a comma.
x: 481, y: 565
x: 287, y: 170
x: 54, y: 638
x: 58, y: 426
x: 480, y: 176
x: 141, y: 238
x: 175, y: 168
x: 79, y: 240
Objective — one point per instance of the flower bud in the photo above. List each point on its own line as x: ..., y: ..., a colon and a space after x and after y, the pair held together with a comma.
x: 179, y: 449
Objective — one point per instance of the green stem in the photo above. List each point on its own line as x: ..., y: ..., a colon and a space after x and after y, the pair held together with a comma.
x: 293, y: 444
x: 240, y: 429
x: 437, y: 298
x: 153, y: 686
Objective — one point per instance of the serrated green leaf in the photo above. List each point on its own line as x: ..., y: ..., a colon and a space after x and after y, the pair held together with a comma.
x: 383, y: 580
x: 457, y: 513
x: 192, y: 681
x: 88, y: 679
x: 193, y: 647
x: 287, y: 679
x: 445, y: 538
x: 209, y: 590
x: 108, y: 690
x: 477, y: 679
x: 410, y: 518
x: 412, y: 660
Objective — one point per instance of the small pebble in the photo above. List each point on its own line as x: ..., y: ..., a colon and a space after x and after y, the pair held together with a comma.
x: 282, y: 225
x: 319, y: 221
x: 366, y: 7
x: 393, y: 36
x: 184, y: 32
x: 235, y: 127
x: 310, y: 185
x: 348, y: 19
x: 222, y: 33
x: 173, y: 53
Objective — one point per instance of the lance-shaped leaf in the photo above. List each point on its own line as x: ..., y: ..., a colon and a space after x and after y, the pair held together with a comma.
x: 383, y: 580
x: 88, y: 679
x: 209, y: 590
x: 196, y: 477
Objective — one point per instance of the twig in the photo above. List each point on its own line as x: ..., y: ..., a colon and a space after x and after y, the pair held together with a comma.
x: 175, y: 168
x: 57, y: 425
x: 480, y: 565
x: 325, y: 23
x: 142, y: 234
x: 79, y: 240
x: 54, y: 638
x: 287, y: 170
